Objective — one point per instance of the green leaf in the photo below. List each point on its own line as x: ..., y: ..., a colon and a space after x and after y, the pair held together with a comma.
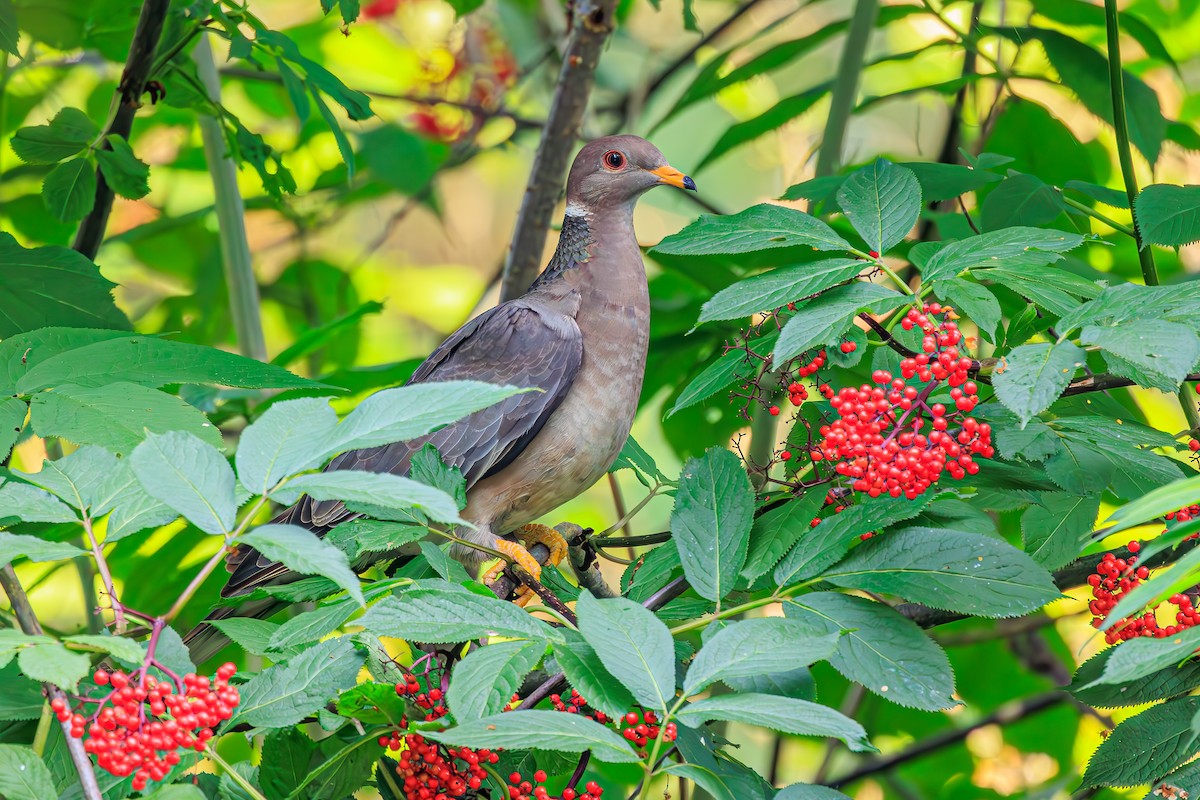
x: 189, y: 476
x: 777, y: 288
x: 31, y: 504
x: 806, y: 791
x: 1020, y: 200
x: 710, y: 524
x: 947, y: 181
x: 826, y: 544
x: 1035, y: 375
x: 342, y: 770
x: 311, y: 626
x: 427, y: 467
x: 703, y: 777
x: 64, y: 136
x: 975, y: 302
x: 483, y: 683
x: 152, y: 361
x: 46, y: 286
x: 1010, y: 246
x: 1117, y: 198
x: 14, y: 546
x: 777, y: 531
x: 827, y: 317
x: 177, y: 791
x: 587, y: 674
x: 633, y: 644
x: 22, y: 698
x: 722, y: 372
x: 1170, y: 681
x: 543, y: 730
x: 303, y: 551
x: 1168, y: 215
x: 373, y: 703
x: 452, y: 614
x: 407, y: 412
x: 1058, y: 527
x: 359, y: 536
x: 950, y: 570
x: 122, y: 170
x: 339, y: 136
x: 286, y: 693
x: 761, y: 227
x: 279, y: 443
x: 1143, y: 748
x: 119, y: 646
x: 115, y: 417
x: 286, y: 755
x: 12, y: 420
x: 779, y: 114
x: 1155, y: 353
x: 757, y: 647
x: 881, y: 649
x: 1154, y: 504
x: 23, y: 776
x: 1147, y: 656
x: 13, y: 641
x: 882, y: 202
x: 783, y: 714
x: 54, y: 663
x: 9, y: 35
x: 371, y: 488
x: 91, y: 478
x: 252, y: 635
x: 69, y: 190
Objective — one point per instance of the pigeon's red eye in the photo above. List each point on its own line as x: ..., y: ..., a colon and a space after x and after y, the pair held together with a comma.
x: 614, y: 159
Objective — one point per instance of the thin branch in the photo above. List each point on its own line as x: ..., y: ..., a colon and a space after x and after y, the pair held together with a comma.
x: 582, y: 555
x: 633, y: 541
x: 102, y: 565
x: 30, y: 625
x: 132, y: 85
x: 1103, y: 382
x: 231, y: 216
x: 593, y: 22
x: 886, y: 336
x: 1007, y: 713
x: 508, y: 580
x: 548, y: 597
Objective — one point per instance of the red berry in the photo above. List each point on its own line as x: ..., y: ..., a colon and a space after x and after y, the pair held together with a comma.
x: 773, y: 411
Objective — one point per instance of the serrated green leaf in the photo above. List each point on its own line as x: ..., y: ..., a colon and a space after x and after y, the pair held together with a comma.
x: 279, y: 443
x: 1058, y: 527
x: 544, y: 730
x: 45, y: 286
x: 119, y: 646
x: 882, y: 202
x: 777, y: 531
x: 777, y: 288
x: 252, y: 635
x: 761, y: 227
x: 359, y: 536
x: 189, y: 476
x: 783, y: 714
x: 634, y: 646
x: 483, y: 683
x: 1161, y: 353
x: 285, y: 693
x: 587, y: 674
x: 947, y: 181
x: 710, y: 523
x: 1154, y: 504
x: 24, y: 776
x: 20, y: 501
x: 950, y: 570
x: 122, y: 170
x: 12, y: 418
x: 1035, y: 375
x: 757, y: 647
x: 62, y: 137
x: 1021, y: 200
x: 286, y: 756
x: 69, y: 190
x: 371, y: 488
x: 1143, y: 748
x: 9, y: 34
x: 729, y: 368
x: 976, y: 302
x: 827, y: 317
x: 428, y: 468
x: 1010, y: 246
x: 1147, y: 656
x: 452, y: 614
x: 303, y: 551
x: 1168, y: 215
x: 1170, y: 681
x: 881, y: 649
x: 54, y: 663
x: 13, y: 546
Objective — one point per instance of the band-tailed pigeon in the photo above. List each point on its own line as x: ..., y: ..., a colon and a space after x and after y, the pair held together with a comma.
x: 579, y: 335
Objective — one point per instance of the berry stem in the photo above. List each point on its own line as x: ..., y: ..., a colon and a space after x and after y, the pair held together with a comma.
x: 196, y: 583
x: 106, y: 576
x: 631, y: 513
x: 652, y: 761
x: 233, y: 774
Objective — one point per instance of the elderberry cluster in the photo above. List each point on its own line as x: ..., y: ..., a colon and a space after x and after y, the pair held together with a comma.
x: 1116, y: 577
x: 888, y: 439
x: 522, y: 789
x: 139, y: 726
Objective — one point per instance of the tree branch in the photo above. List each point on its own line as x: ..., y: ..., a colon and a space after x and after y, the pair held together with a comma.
x: 593, y: 22
x: 1100, y: 383
x: 30, y: 625
x: 132, y: 85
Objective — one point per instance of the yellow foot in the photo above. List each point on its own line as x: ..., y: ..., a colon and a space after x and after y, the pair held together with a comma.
x: 533, y: 533
x: 519, y: 555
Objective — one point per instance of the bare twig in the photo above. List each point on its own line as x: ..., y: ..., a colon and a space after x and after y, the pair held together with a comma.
x: 593, y: 22
x: 583, y: 561
x: 886, y: 336
x: 1100, y: 383
x: 1009, y: 712
x: 504, y: 585
x: 132, y: 85
x: 548, y: 597
x: 30, y: 625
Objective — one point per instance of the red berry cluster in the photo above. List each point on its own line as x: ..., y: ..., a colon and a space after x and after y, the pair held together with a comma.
x: 848, y: 347
x: 521, y: 789
x: 643, y: 728
x: 879, y: 440
x: 127, y: 741
x: 1185, y: 514
x: 575, y: 704
x: 1116, y: 577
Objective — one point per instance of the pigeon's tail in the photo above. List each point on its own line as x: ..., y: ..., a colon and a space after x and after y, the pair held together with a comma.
x: 205, y: 640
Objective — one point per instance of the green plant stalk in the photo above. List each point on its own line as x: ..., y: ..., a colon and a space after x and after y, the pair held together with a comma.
x: 233, y: 774
x: 845, y: 86
x: 658, y: 741
x: 43, y: 729
x: 231, y: 216
x: 1096, y: 215
x: 733, y: 611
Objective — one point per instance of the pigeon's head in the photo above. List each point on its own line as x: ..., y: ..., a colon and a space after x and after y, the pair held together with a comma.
x: 615, y: 170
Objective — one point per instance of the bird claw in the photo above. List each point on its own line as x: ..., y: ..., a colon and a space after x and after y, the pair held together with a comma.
x: 533, y: 533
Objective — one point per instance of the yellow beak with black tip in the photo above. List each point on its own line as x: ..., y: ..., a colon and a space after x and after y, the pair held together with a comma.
x: 673, y: 177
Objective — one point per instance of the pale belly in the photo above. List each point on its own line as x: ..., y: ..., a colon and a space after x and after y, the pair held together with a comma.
x: 577, y: 445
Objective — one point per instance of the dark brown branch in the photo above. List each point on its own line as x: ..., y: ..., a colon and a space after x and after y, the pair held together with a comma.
x: 132, y: 85
x: 1099, y: 383
x: 886, y: 336
x: 1007, y: 713
x: 30, y: 625
x: 633, y: 541
x: 593, y: 21
x: 582, y: 555
x: 548, y: 597
x: 504, y: 585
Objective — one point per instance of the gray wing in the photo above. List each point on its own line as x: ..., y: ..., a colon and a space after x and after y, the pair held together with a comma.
x: 518, y: 343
